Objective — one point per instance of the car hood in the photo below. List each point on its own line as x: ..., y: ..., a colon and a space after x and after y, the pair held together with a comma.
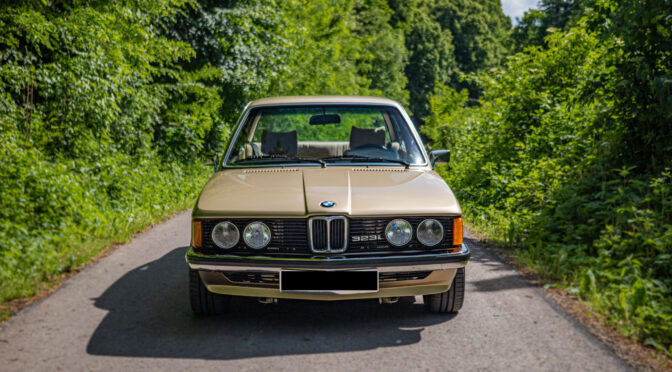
x: 299, y: 191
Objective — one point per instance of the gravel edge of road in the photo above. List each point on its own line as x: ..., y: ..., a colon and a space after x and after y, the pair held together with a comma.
x: 638, y: 356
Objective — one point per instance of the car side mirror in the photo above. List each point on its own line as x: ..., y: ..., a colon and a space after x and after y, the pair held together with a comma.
x: 441, y: 156
x: 213, y: 163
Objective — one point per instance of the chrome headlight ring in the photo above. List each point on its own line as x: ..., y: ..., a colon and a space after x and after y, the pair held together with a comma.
x: 399, y: 232
x: 225, y: 235
x: 257, y: 235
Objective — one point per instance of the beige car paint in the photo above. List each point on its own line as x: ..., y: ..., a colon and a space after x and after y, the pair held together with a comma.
x: 298, y: 192
x: 437, y: 281
x: 270, y: 101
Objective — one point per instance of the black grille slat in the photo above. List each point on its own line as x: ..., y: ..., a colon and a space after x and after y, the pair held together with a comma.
x: 337, y: 234
x: 289, y: 236
x: 328, y: 234
x: 252, y: 277
x: 409, y: 275
x: 376, y: 226
x: 320, y: 234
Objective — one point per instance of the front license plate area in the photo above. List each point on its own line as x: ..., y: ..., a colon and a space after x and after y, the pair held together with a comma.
x: 329, y: 282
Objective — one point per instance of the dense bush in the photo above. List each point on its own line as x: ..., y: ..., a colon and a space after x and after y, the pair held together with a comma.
x: 567, y: 159
x: 55, y: 215
x: 97, y: 138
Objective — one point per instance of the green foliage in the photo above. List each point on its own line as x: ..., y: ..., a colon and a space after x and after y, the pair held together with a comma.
x: 550, y: 16
x: 266, y: 47
x: 291, y: 119
x: 57, y: 215
x: 94, y: 119
x: 324, y: 51
x: 447, y: 39
x: 480, y: 32
x: 240, y: 49
x: 383, y: 55
x: 431, y: 60
x: 640, y: 37
x: 567, y: 159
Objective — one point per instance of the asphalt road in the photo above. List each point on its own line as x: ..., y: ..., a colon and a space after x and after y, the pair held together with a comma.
x: 130, y: 311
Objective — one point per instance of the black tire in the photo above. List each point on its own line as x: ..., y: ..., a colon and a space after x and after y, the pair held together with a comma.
x: 450, y: 301
x: 203, y: 302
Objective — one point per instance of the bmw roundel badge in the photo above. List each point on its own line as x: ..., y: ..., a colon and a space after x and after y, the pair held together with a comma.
x: 327, y: 204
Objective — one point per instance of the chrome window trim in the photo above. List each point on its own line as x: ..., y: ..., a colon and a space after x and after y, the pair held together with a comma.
x: 398, y: 107
x: 328, y: 220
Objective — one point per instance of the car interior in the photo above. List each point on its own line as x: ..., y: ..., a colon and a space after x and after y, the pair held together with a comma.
x: 370, y: 132
x: 364, y: 142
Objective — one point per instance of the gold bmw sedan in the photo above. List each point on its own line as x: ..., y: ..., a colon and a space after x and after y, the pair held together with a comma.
x: 326, y: 198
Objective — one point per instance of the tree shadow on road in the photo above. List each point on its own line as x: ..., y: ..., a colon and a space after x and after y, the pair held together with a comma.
x: 506, y: 278
x: 149, y: 316
x: 486, y: 258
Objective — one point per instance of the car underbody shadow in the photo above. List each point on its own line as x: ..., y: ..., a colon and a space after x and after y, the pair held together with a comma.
x: 149, y: 316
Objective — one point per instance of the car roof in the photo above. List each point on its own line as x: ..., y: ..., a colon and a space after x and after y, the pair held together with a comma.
x: 322, y: 99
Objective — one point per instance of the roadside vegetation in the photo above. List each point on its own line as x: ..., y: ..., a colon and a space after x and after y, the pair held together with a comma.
x: 568, y: 156
x: 559, y: 127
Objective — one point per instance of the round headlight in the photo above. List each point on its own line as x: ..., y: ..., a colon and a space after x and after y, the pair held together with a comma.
x: 257, y: 235
x: 430, y: 232
x: 398, y: 232
x: 225, y: 235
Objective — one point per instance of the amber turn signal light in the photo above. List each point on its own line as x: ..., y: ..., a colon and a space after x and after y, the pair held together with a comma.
x: 457, y: 231
x: 196, y: 239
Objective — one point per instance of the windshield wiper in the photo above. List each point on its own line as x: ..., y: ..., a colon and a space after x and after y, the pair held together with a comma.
x: 280, y: 159
x: 368, y: 158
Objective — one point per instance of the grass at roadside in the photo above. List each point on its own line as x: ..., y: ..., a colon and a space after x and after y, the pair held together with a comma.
x: 65, y: 215
x: 545, y: 163
x: 589, y: 313
x: 89, y: 252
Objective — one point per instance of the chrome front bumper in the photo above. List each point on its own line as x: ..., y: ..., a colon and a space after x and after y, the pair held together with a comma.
x: 214, y: 271
x: 423, y: 262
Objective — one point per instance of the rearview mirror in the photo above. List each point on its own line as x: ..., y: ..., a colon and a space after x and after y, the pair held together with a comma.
x: 325, y: 119
x: 441, y: 156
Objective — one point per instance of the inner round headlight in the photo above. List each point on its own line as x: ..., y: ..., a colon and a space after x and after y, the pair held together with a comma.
x: 257, y: 235
x: 398, y: 232
x: 225, y: 235
x: 430, y: 232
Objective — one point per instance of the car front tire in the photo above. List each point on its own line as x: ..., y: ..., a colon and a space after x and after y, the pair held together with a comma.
x: 450, y: 301
x: 203, y: 302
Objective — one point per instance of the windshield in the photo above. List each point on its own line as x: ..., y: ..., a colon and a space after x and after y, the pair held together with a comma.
x: 325, y: 135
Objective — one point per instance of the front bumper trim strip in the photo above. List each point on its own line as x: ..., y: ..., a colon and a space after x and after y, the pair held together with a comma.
x: 429, y: 262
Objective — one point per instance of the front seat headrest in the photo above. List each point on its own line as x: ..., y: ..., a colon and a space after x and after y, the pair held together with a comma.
x: 360, y: 137
x: 278, y: 143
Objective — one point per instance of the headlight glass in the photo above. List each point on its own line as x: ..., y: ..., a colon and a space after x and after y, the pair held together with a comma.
x: 225, y: 235
x: 398, y: 232
x: 430, y: 232
x: 257, y: 235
